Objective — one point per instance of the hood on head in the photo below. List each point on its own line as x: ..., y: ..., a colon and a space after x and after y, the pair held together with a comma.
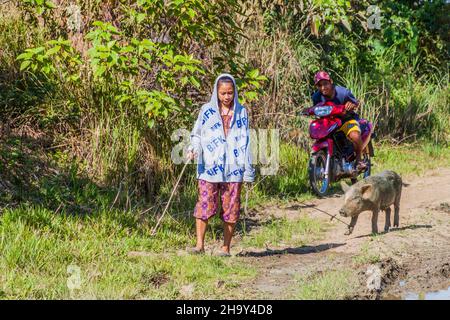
x: 215, y: 99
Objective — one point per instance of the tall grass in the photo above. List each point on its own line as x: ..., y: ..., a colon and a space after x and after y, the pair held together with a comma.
x: 402, y: 106
x: 288, y: 61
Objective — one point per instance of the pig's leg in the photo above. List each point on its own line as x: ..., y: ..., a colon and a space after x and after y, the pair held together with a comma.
x: 387, y: 224
x: 352, y: 225
x: 397, y: 210
x: 375, y: 221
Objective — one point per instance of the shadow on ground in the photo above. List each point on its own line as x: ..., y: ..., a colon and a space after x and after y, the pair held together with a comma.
x: 411, y: 227
x: 298, y: 250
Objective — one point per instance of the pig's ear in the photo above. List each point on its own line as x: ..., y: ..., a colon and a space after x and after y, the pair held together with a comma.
x: 344, y: 186
x: 366, y: 191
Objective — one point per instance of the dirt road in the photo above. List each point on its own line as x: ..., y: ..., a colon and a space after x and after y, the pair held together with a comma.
x: 414, y: 258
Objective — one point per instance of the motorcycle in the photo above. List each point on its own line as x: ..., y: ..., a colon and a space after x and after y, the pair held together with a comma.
x: 332, y: 154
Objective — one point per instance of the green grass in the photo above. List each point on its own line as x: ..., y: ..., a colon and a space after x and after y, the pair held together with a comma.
x: 38, y: 246
x: 365, y: 256
x: 415, y: 159
x: 327, y: 285
x: 284, y: 232
x: 293, y: 169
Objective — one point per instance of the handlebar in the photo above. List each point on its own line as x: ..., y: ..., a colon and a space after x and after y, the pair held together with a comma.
x: 307, y: 112
x: 338, y: 109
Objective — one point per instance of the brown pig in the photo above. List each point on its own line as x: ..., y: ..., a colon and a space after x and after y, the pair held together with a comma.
x: 374, y: 193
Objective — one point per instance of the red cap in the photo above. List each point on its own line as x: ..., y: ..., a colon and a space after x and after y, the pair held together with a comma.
x: 321, y: 75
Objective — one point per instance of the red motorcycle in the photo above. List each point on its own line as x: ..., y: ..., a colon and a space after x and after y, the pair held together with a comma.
x: 333, y: 156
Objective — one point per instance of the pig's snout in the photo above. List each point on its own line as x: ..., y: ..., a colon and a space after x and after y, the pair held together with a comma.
x: 342, y: 213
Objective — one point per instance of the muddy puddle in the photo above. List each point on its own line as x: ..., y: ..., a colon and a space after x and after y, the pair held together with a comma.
x: 432, y: 295
x: 436, y: 295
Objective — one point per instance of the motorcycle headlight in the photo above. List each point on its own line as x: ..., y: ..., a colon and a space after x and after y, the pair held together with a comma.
x: 322, y: 111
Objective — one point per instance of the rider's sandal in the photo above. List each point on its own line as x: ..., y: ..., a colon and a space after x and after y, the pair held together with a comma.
x: 361, y: 166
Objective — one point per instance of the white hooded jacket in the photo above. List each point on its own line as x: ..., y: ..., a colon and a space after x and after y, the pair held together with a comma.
x: 220, y: 158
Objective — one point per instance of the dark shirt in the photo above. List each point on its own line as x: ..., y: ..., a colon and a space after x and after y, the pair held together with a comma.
x: 342, y: 95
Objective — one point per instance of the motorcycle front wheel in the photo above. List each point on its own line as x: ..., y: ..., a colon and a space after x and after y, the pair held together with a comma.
x: 316, y: 171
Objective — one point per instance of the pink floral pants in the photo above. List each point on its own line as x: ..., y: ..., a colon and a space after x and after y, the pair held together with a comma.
x: 208, y: 200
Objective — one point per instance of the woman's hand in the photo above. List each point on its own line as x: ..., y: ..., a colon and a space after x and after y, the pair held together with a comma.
x: 350, y: 106
x: 191, y: 155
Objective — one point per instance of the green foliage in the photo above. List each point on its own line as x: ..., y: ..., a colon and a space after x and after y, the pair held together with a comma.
x: 321, y: 16
x: 117, y: 63
x: 55, y: 58
x: 251, y: 86
x: 140, y: 75
x: 341, y: 29
x: 122, y: 59
x: 38, y: 7
x: 195, y: 19
x: 291, y: 179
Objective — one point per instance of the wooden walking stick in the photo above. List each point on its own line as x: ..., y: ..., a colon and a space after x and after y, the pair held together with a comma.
x: 244, y: 227
x: 170, y: 199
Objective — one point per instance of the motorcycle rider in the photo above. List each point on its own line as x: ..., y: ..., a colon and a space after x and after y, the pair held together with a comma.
x: 327, y: 91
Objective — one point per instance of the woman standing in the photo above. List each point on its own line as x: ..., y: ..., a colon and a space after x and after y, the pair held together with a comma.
x: 220, y: 142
